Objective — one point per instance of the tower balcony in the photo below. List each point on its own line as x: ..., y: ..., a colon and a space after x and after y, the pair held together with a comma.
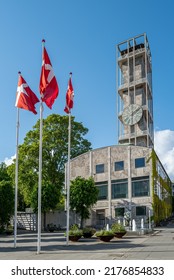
x: 123, y: 87
x: 131, y: 84
x: 132, y: 51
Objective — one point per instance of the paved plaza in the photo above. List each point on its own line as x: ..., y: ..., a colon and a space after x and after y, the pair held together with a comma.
x: 158, y: 246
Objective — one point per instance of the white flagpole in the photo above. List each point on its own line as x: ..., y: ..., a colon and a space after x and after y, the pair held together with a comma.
x: 68, y: 179
x: 40, y: 182
x: 40, y: 177
x: 16, y: 180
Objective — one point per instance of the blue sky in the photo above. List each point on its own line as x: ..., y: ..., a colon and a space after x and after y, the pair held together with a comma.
x: 81, y: 37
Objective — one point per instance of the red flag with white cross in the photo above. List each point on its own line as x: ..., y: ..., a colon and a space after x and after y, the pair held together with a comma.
x: 48, y: 84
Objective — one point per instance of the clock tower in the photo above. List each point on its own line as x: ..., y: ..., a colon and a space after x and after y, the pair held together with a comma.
x: 134, y: 92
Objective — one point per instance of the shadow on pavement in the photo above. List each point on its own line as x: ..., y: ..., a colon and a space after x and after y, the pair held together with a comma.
x: 58, y: 243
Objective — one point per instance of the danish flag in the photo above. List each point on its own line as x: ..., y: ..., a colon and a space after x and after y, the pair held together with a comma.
x: 48, y: 84
x: 25, y: 97
x: 69, y: 97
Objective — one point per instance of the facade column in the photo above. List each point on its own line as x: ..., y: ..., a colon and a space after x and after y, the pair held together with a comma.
x: 91, y: 174
x: 109, y: 185
x: 129, y: 182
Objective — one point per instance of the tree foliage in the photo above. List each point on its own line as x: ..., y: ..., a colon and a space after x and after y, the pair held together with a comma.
x: 83, y: 195
x: 6, y: 196
x: 6, y: 202
x: 50, y: 197
x: 54, y: 157
x: 3, y: 172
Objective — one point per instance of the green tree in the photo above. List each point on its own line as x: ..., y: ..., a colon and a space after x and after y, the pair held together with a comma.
x: 6, y: 196
x: 83, y: 195
x: 50, y: 197
x: 54, y: 157
x: 6, y: 202
x: 3, y: 172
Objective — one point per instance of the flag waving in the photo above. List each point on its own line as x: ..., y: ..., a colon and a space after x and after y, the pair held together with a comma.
x: 48, y: 84
x: 25, y: 97
x: 69, y: 96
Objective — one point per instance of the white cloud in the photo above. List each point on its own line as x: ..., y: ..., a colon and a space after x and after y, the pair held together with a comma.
x: 164, y: 147
x: 9, y: 161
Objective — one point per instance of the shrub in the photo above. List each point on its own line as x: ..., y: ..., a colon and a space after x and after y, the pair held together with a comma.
x: 74, y: 230
x: 117, y: 227
x: 104, y: 233
x: 89, y: 230
x: 9, y: 229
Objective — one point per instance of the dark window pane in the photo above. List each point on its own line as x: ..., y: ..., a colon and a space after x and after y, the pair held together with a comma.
x: 140, y: 186
x: 119, y: 165
x: 141, y: 211
x: 119, y: 212
x: 100, y: 217
x: 103, y: 190
x: 119, y: 188
x: 99, y: 168
x: 139, y: 162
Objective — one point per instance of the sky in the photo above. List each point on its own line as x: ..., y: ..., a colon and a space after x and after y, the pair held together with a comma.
x: 81, y: 37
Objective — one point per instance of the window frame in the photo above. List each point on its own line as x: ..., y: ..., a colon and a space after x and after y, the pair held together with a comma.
x: 139, y: 163
x: 100, y: 168
x: 118, y: 166
x: 144, y: 212
x: 118, y: 183
x: 119, y: 208
x: 104, y: 185
x: 135, y: 186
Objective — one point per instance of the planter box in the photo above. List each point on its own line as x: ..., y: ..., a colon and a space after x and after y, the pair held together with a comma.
x: 106, y: 238
x: 87, y: 235
x: 9, y: 232
x: 119, y: 234
x: 74, y: 238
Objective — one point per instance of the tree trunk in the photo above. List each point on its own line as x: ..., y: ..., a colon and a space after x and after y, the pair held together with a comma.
x: 44, y: 225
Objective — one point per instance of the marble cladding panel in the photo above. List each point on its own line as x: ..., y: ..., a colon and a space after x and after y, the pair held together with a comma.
x: 100, y: 156
x: 101, y: 204
x: 80, y: 166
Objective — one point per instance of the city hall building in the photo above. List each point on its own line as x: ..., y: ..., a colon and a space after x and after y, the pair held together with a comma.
x: 130, y: 177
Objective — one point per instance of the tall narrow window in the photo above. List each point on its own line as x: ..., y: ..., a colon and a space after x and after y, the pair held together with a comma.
x: 103, y: 190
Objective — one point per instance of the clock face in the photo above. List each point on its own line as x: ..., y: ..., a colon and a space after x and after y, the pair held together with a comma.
x: 132, y: 114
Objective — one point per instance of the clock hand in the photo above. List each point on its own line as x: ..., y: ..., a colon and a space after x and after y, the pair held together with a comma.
x: 134, y: 112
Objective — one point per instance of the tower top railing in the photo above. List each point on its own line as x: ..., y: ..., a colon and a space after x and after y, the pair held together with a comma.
x: 135, y: 44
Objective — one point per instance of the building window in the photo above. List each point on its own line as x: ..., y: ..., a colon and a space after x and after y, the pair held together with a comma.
x: 119, y: 188
x: 100, y: 168
x: 140, y: 186
x: 103, y: 190
x: 119, y: 165
x: 141, y: 211
x: 100, y: 217
x: 139, y: 162
x: 119, y: 212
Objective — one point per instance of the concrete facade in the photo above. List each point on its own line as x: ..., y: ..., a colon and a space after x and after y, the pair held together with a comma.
x: 125, y: 187
x: 86, y: 164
